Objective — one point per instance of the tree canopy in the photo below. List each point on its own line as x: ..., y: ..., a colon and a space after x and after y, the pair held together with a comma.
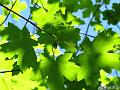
x: 52, y: 58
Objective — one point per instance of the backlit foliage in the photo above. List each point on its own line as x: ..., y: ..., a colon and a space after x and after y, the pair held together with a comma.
x: 51, y: 58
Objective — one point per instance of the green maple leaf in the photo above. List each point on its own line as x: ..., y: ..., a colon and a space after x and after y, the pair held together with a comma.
x: 49, y: 68
x: 116, y: 6
x: 88, y: 68
x: 45, y: 14
x: 27, y: 56
x: 106, y: 44
x: 67, y: 69
x: 71, y: 5
x: 21, y: 79
x: 20, y: 43
x: 54, y: 14
x: 63, y: 35
x: 12, y: 32
x: 87, y: 6
x: 97, y: 57
x: 4, y: 2
x: 55, y: 70
x: 107, y: 16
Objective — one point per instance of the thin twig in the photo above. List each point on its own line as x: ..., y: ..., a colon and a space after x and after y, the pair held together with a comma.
x: 28, y: 21
x: 118, y: 26
x: 9, y: 71
x: 43, y: 6
x: 87, y: 35
x: 30, y: 14
x: 92, y: 19
x: 8, y: 14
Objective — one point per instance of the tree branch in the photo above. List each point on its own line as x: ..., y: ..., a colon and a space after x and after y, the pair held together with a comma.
x: 27, y: 20
x: 92, y: 19
x: 118, y: 26
x: 87, y: 35
x: 9, y: 71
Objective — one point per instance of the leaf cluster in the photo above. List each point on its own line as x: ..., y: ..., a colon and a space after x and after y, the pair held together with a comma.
x: 51, y: 58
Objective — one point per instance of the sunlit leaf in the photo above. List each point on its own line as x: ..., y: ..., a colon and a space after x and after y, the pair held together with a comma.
x: 2, y: 17
x: 104, y: 79
x: 21, y: 4
x: 53, y: 57
x: 99, y: 27
x: 22, y: 81
x: 68, y: 69
x: 45, y: 17
x: 96, y: 56
x: 50, y: 68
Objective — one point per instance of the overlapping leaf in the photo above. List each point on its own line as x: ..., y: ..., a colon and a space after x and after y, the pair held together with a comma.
x: 21, y: 81
x: 112, y: 15
x: 55, y: 70
x: 63, y: 35
x: 49, y: 68
x: 45, y: 14
x: 98, y: 56
x: 21, y: 4
x: 21, y: 44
